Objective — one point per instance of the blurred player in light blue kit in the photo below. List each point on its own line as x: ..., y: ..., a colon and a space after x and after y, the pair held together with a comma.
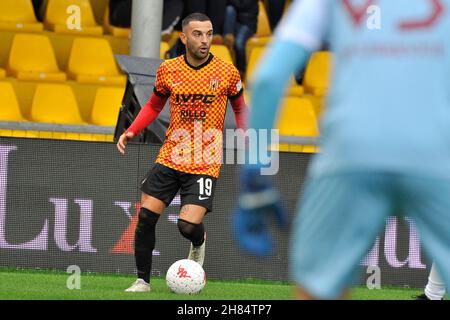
x: 385, y: 135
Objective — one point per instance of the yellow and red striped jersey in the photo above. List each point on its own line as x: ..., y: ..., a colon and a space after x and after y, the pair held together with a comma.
x: 198, y: 101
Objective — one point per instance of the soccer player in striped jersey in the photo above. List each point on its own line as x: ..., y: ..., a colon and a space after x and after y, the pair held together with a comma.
x: 385, y: 136
x: 198, y: 86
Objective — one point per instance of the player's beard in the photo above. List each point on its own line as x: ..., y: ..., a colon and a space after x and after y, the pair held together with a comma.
x: 197, y: 52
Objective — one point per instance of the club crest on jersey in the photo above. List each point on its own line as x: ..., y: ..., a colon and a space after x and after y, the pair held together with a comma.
x: 213, y: 84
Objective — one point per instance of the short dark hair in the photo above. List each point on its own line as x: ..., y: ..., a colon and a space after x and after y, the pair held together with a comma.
x: 196, y: 16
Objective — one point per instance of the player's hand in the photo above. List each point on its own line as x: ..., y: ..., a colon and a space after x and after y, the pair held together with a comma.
x: 123, y: 140
x: 259, y: 203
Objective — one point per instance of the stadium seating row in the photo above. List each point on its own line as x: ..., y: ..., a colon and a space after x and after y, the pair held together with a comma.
x: 61, y: 44
x: 56, y: 103
x: 91, y: 60
x: 18, y: 16
x: 303, y: 108
x: 61, y: 16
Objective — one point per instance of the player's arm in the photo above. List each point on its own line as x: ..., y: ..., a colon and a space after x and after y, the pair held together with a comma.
x: 146, y: 116
x: 271, y: 79
x: 240, y: 110
x: 299, y: 34
x: 236, y: 95
x: 149, y: 111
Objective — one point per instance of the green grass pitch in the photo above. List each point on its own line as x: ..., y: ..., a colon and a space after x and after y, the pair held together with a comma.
x: 50, y: 285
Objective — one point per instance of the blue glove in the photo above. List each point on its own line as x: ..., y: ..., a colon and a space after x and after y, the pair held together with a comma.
x: 258, y: 202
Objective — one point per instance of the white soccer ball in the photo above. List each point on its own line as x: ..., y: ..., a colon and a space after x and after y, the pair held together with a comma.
x: 186, y: 277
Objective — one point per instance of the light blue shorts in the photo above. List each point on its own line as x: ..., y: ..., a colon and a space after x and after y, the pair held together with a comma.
x: 340, y: 216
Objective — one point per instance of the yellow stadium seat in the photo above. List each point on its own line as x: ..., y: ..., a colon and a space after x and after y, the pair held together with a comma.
x: 62, y: 45
x: 2, y: 73
x: 32, y: 58
x: 163, y: 48
x: 317, y: 73
x: 222, y: 52
x: 71, y: 16
x: 254, y: 42
x: 263, y: 27
x: 106, y: 107
x: 9, y: 106
x: 297, y: 118
x: 18, y: 15
x: 92, y: 61
x: 115, y: 31
x: 55, y: 103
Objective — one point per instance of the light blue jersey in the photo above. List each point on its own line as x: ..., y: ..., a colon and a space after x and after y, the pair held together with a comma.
x: 385, y: 134
x: 389, y: 104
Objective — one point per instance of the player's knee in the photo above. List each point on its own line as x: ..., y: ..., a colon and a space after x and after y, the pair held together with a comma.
x: 186, y: 228
x: 189, y: 230
x: 147, y: 220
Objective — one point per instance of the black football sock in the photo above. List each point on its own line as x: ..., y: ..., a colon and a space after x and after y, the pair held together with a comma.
x: 144, y: 242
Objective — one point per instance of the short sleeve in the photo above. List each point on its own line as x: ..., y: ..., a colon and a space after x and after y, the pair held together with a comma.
x: 161, y: 87
x: 235, y: 85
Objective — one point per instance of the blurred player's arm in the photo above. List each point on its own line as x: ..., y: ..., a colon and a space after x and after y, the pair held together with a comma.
x: 299, y: 34
x: 149, y: 111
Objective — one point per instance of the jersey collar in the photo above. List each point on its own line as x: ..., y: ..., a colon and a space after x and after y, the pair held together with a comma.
x: 204, y: 64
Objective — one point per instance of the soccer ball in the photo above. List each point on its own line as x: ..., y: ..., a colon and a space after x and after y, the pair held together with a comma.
x: 186, y: 277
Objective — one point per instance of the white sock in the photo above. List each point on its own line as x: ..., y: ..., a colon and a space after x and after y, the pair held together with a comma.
x: 435, y: 288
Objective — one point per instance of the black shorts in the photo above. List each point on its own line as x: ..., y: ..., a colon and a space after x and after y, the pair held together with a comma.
x: 163, y: 183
